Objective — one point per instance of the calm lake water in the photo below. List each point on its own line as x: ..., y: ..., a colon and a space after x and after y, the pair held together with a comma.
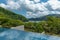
x: 9, y: 34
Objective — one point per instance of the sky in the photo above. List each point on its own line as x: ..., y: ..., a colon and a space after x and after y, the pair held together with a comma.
x: 32, y: 8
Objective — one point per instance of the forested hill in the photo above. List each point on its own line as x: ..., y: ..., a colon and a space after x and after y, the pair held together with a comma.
x: 44, y: 17
x: 8, y: 14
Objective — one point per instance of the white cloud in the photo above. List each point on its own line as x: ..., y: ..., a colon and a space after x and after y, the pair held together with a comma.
x: 54, y: 3
x: 29, y: 14
x: 33, y: 7
x: 36, y: 1
x: 10, y: 4
x: 57, y: 12
x: 13, y: 5
x: 37, y: 14
x: 34, y: 10
x: 3, y: 5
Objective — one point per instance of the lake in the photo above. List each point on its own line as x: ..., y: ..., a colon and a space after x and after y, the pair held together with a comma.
x: 10, y: 34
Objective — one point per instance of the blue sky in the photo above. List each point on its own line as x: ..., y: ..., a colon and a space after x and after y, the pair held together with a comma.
x: 32, y: 8
x: 1, y: 1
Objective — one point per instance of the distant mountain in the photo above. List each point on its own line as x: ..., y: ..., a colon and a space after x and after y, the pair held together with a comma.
x: 44, y: 17
x: 8, y: 14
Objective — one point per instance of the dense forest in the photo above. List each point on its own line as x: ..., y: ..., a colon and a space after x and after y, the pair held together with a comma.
x: 10, y: 19
x: 51, y: 26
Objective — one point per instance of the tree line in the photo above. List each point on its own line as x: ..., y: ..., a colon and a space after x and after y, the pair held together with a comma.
x: 51, y: 26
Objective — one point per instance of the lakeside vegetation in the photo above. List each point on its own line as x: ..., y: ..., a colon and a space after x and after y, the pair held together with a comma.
x: 51, y: 26
x: 8, y: 23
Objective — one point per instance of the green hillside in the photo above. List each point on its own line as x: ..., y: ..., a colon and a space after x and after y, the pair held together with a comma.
x: 9, y: 14
x: 9, y: 19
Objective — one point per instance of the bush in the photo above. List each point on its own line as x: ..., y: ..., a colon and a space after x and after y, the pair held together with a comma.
x: 12, y: 23
x: 8, y: 23
x: 29, y: 25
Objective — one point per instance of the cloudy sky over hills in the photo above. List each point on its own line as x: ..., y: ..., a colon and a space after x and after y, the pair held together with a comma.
x: 32, y: 8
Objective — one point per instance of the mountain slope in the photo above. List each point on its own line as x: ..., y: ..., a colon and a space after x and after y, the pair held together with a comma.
x: 12, y: 15
x: 44, y: 17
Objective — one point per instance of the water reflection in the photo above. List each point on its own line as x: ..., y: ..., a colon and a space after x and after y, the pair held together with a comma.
x: 9, y: 34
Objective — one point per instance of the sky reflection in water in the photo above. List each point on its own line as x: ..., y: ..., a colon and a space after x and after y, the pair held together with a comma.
x: 9, y: 34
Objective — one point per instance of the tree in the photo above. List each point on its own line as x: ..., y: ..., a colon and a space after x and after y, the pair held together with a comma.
x: 13, y: 23
x: 29, y: 25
